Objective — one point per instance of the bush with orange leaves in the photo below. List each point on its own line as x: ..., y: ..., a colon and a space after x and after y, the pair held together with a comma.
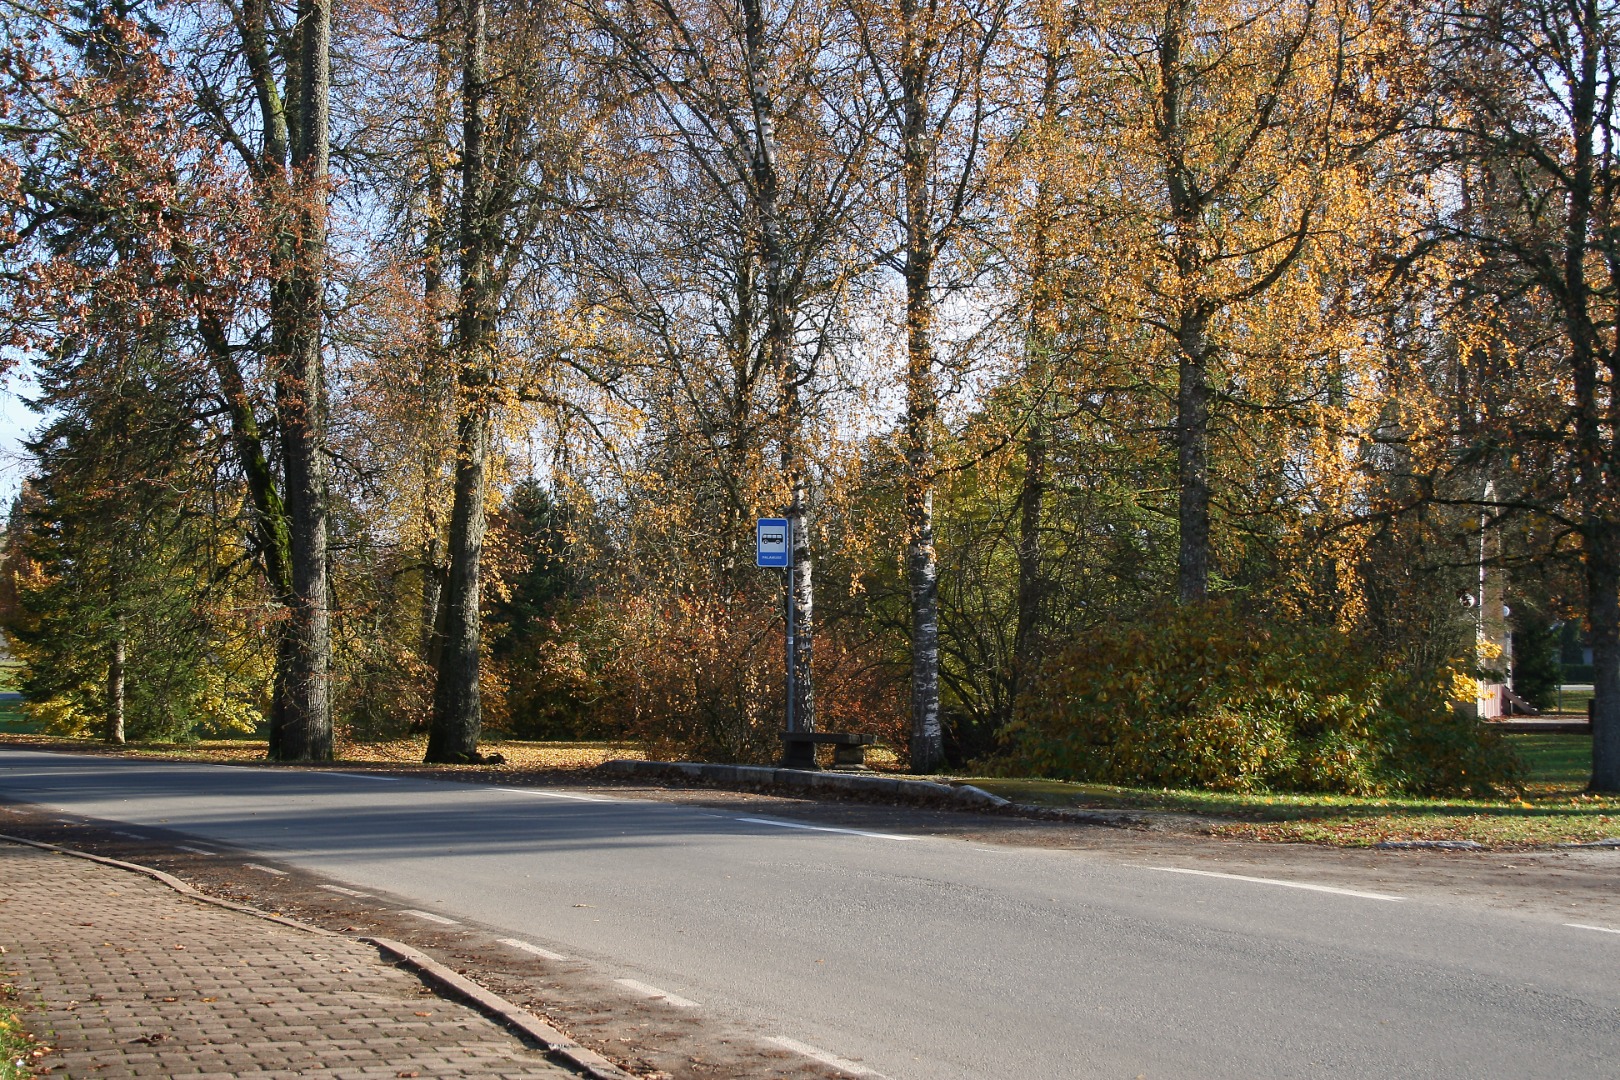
x: 701, y: 679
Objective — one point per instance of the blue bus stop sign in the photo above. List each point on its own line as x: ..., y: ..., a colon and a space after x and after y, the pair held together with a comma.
x: 772, y: 543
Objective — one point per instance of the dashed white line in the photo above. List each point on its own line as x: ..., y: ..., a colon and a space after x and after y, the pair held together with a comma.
x: 1599, y: 929
x: 658, y: 995
x: 193, y: 850
x: 1276, y: 881
x: 822, y: 828
x: 854, y: 1068
x: 131, y: 835
x: 265, y: 869
x: 429, y: 916
x: 529, y: 947
x: 341, y: 891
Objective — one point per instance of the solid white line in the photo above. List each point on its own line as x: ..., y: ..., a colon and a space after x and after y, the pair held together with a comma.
x: 822, y: 828
x: 341, y: 891
x: 365, y: 776
x: 429, y: 916
x: 266, y: 869
x: 193, y: 850
x: 519, y: 943
x: 1599, y: 929
x: 653, y: 992
x: 852, y: 1067
x: 556, y: 795
x: 1275, y: 881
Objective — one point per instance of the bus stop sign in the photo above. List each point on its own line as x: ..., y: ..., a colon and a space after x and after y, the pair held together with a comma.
x: 772, y: 544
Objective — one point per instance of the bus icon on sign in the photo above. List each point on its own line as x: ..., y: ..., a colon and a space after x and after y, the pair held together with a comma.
x: 771, y: 542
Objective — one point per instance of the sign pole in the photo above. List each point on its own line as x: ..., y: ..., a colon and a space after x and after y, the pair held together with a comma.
x: 773, y: 547
x: 787, y: 573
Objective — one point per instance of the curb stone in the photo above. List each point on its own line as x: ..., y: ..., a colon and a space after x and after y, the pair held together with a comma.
x: 861, y: 785
x: 496, y: 1007
x: 174, y: 883
x: 802, y: 781
x: 554, y: 1042
x: 1429, y: 845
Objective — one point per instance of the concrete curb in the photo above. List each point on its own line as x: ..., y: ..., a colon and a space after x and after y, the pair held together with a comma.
x: 804, y: 782
x: 174, y: 883
x: 865, y: 786
x: 496, y: 1007
x: 555, y: 1043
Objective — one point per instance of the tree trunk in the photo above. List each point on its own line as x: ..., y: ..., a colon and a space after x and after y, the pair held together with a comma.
x: 438, y: 389
x: 306, y: 723
x: 779, y: 320
x: 1031, y: 507
x: 1603, y: 614
x: 922, y: 403
x: 115, y: 688
x: 1192, y: 462
x: 1192, y: 341
x: 457, y: 711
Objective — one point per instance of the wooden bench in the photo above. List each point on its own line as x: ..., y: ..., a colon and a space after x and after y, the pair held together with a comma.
x: 849, y: 749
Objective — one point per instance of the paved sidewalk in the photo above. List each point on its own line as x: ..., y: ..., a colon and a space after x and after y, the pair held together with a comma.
x: 128, y: 978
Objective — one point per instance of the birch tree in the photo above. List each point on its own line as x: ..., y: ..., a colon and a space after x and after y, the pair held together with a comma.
x: 930, y: 62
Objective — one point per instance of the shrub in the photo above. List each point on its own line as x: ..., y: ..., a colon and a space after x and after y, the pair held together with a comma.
x: 701, y: 678
x: 1205, y: 696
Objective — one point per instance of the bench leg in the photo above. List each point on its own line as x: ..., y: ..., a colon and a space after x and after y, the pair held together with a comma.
x: 853, y: 757
x: 799, y: 755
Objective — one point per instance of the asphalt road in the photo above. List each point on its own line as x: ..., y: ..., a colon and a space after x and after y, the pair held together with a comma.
x: 924, y: 957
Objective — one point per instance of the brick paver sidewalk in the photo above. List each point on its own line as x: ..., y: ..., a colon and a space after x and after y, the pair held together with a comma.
x: 129, y: 978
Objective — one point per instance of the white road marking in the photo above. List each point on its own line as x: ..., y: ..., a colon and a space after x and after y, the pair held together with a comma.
x: 266, y: 869
x: 365, y: 776
x: 822, y: 828
x: 341, y: 891
x: 131, y: 835
x: 528, y: 947
x: 854, y: 1068
x: 1276, y: 881
x: 193, y: 850
x: 429, y: 916
x: 1599, y: 929
x: 557, y: 795
x: 653, y: 992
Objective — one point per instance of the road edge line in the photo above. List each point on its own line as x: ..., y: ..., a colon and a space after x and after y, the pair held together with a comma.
x: 498, y: 1008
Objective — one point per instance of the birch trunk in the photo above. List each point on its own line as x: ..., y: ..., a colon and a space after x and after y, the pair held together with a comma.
x: 922, y: 400
x: 115, y: 689
x: 779, y: 324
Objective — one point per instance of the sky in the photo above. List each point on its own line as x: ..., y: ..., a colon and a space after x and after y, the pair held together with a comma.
x: 16, y: 421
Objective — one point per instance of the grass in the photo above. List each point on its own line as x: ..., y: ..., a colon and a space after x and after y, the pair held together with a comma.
x: 519, y: 755
x: 1552, y: 808
x: 18, y: 1050
x: 1571, y: 700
